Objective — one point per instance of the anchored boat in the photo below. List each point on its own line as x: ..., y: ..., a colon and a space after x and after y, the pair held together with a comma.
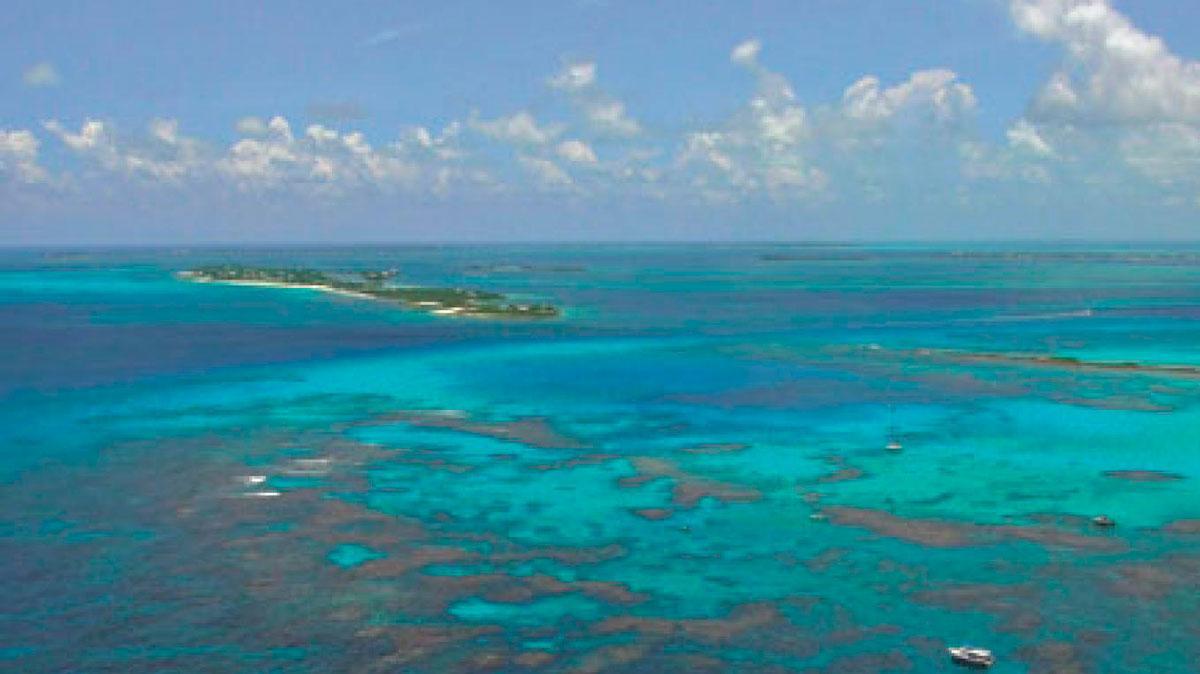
x: 893, y: 442
x: 971, y: 656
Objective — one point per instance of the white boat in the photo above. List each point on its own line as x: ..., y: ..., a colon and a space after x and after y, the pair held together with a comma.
x: 1104, y: 521
x: 893, y: 443
x: 971, y: 656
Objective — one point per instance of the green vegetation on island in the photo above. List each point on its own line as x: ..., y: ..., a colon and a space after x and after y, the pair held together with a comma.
x: 375, y: 285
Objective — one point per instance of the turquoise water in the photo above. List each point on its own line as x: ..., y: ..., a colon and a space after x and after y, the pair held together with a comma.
x: 685, y: 473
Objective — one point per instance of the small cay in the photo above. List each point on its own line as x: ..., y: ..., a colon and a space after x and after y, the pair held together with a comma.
x: 379, y: 285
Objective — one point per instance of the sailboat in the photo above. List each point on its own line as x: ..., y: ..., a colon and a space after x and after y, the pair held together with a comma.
x: 893, y: 441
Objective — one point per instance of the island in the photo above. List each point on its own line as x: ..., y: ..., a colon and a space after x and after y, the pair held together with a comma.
x: 376, y: 285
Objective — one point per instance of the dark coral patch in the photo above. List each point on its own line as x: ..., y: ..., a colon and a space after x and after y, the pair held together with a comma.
x: 1144, y: 475
x: 1183, y: 527
x: 844, y: 472
x: 531, y: 431
x: 1057, y: 657
x: 1150, y: 580
x: 869, y: 663
x: 711, y: 448
x: 574, y: 462
x: 842, y: 475
x: 653, y: 514
x: 927, y: 532
x: 827, y: 559
x: 1012, y: 602
x: 689, y: 488
x: 951, y: 534
x: 533, y: 659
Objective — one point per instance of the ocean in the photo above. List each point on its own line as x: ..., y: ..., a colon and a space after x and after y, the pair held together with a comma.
x: 688, y: 470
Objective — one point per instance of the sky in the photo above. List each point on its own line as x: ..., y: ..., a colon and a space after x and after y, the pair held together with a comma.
x: 593, y: 120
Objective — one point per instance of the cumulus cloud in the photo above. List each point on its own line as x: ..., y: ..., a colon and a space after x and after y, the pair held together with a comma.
x: 519, y: 128
x: 443, y: 146
x: 1118, y: 93
x: 42, y: 74
x: 576, y: 151
x: 1026, y: 136
x: 762, y: 148
x: 1014, y: 162
x: 1168, y: 154
x: 746, y: 53
x: 547, y: 173
x: 162, y: 156
x: 575, y: 76
x: 19, y: 156
x: 90, y: 134
x: 322, y: 159
x: 603, y: 113
x: 937, y: 92
x: 271, y: 156
x: 1113, y: 71
x: 251, y: 126
x: 609, y: 116
x: 776, y: 146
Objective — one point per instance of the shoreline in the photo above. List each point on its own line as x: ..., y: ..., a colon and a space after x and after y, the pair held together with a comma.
x: 470, y: 308
x: 196, y: 278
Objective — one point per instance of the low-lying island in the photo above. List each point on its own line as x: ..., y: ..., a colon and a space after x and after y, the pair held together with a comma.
x: 377, y: 285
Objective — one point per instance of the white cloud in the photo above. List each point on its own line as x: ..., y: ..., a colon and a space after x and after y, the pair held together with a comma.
x: 320, y: 134
x: 778, y: 147
x: 251, y: 126
x: 746, y: 53
x: 164, y: 156
x: 1168, y: 154
x: 575, y: 76
x: 912, y: 139
x: 42, y: 74
x: 1119, y: 93
x: 323, y: 161
x: 609, y: 117
x: 604, y: 114
x: 982, y: 161
x: 547, y: 172
x: 253, y: 163
x: 328, y: 163
x: 1026, y: 136
x: 444, y: 146
x: 1113, y: 72
x: 389, y: 35
x: 278, y: 127
x: 320, y: 163
x: 19, y: 156
x: 761, y: 148
x: 576, y: 151
x: 936, y: 92
x: 90, y: 134
x: 520, y: 128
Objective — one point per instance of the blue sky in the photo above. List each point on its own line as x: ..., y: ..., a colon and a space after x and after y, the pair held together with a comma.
x: 598, y: 119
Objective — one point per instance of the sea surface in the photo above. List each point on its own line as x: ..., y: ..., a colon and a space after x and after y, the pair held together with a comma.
x: 686, y: 472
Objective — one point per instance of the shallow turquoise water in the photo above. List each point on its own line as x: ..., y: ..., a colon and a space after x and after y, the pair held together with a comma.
x: 685, y: 473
